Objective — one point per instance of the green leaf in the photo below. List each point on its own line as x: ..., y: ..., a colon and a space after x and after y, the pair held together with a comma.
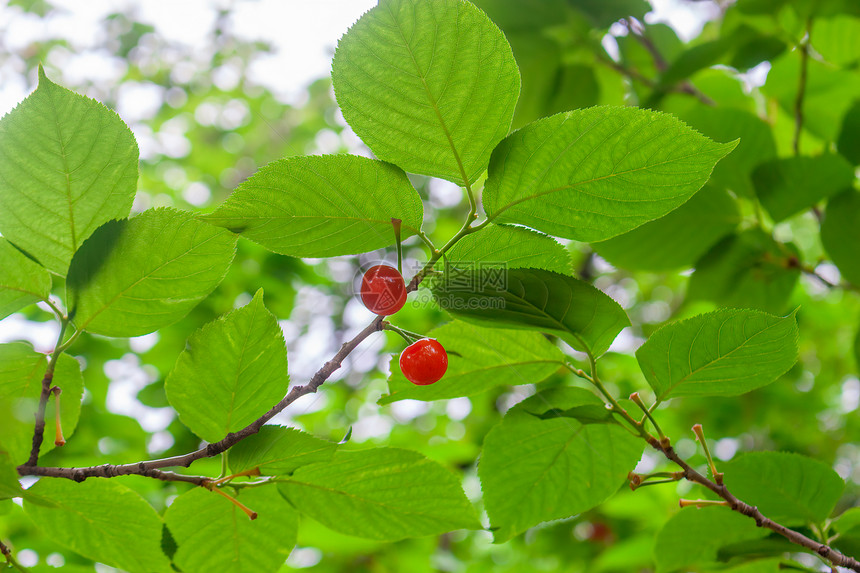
x: 137, y: 275
x: 836, y: 39
x: 788, y: 186
x: 22, y: 281
x: 428, y: 86
x: 9, y: 484
x: 692, y: 537
x: 536, y: 468
x: 595, y: 173
x: 723, y: 353
x: 857, y: 349
x: 756, y: 143
x: 758, y: 566
x: 278, y: 450
x: 848, y: 522
x: 698, y: 57
x: 829, y: 92
x: 526, y: 15
x: 550, y: 85
x: 102, y: 520
x: 751, y: 548
x: 602, y: 13
x: 788, y: 488
x: 840, y: 234
x: 322, y: 206
x: 678, y: 239
x: 67, y: 165
x: 503, y: 246
x: 215, y: 535
x: 535, y: 299
x: 848, y: 143
x: 232, y: 371
x: 480, y: 359
x: 382, y: 493
x: 748, y: 270
x: 21, y: 373
x: 755, y: 50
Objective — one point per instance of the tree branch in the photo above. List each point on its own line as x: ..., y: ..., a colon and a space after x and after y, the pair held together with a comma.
x: 637, y: 30
x: 825, y: 551
x: 109, y: 471
x: 39, y: 428
x: 150, y: 468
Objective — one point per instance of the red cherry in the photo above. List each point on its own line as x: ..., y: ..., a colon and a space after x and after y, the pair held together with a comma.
x: 383, y: 291
x: 600, y: 533
x: 424, y: 362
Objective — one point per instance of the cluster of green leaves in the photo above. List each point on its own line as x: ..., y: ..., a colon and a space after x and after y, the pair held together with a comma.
x: 433, y: 88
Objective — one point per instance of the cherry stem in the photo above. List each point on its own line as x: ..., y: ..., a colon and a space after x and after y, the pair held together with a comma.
x: 59, y: 440
x: 250, y: 513
x: 638, y: 401
x: 251, y: 472
x: 408, y: 336
x: 642, y: 480
x: 700, y: 435
x: 703, y: 502
x: 396, y: 223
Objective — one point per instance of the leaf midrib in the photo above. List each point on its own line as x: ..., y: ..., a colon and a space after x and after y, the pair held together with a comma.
x: 432, y: 101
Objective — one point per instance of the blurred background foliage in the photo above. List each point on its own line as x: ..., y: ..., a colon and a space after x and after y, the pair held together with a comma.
x: 203, y: 125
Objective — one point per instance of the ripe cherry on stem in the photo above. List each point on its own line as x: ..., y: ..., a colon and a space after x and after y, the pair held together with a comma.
x: 383, y: 290
x: 424, y: 362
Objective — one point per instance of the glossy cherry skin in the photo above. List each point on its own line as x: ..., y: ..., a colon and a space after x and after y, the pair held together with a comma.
x: 383, y: 291
x: 424, y: 362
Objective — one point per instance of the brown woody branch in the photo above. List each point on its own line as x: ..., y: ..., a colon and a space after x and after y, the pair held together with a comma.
x: 151, y: 468
x: 109, y: 471
x: 824, y: 550
x: 39, y: 430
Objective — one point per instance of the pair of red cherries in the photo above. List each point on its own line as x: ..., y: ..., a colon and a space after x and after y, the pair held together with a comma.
x: 383, y: 292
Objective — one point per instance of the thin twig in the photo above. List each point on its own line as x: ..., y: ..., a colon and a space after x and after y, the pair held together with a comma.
x: 47, y: 379
x: 636, y: 75
x: 821, y: 549
x: 10, y: 559
x: 807, y: 270
x: 801, y: 88
x: 637, y: 30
